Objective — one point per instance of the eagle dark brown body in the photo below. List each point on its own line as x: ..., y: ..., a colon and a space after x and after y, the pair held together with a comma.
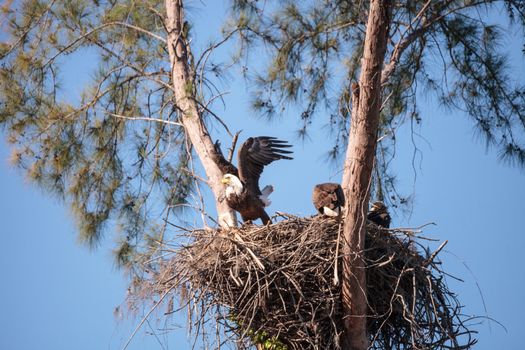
x: 328, y: 198
x: 379, y: 214
x: 242, y: 192
x: 250, y: 207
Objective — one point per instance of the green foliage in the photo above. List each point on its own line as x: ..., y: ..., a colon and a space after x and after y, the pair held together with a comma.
x: 124, y: 253
x: 258, y: 337
x: 109, y: 168
x: 445, y: 47
x: 112, y: 169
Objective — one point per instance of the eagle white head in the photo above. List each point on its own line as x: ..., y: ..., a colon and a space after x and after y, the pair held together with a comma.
x: 233, y: 185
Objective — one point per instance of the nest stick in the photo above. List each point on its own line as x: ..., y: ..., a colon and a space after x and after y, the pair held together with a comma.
x: 279, y: 285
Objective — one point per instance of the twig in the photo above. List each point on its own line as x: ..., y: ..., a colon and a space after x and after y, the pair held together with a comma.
x: 146, y: 317
x: 214, y: 115
x: 431, y: 257
x: 336, y: 258
x: 416, y: 229
x: 232, y: 148
x: 255, y: 258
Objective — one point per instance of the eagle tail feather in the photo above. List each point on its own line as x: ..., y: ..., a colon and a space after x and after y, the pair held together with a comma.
x: 265, y: 193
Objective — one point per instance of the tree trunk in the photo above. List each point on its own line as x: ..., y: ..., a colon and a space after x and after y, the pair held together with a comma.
x: 196, y: 130
x: 357, y: 174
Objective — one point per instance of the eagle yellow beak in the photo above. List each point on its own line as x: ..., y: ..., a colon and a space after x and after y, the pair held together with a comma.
x: 225, y: 180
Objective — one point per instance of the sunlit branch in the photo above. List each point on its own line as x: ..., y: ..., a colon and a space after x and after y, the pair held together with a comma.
x: 156, y: 120
x: 234, y: 143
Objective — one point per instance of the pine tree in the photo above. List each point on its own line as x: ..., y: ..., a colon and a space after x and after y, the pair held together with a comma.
x: 388, y: 52
x: 124, y: 153
x: 130, y: 139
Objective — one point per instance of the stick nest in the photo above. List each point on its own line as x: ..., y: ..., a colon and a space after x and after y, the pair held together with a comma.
x: 280, y: 286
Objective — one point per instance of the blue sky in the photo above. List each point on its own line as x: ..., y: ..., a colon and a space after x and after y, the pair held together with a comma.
x: 58, y: 294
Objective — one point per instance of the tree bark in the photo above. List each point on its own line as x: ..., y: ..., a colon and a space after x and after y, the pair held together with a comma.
x: 357, y: 173
x: 195, y: 128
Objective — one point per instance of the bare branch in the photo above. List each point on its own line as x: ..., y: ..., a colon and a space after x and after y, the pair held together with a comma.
x: 146, y: 317
x: 157, y: 120
x: 232, y: 148
x: 139, y: 29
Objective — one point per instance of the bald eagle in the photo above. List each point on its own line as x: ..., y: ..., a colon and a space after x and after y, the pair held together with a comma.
x: 328, y: 198
x: 379, y: 214
x: 242, y: 185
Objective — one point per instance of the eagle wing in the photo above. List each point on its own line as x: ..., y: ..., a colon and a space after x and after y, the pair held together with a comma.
x: 225, y: 166
x: 329, y: 195
x: 255, y: 153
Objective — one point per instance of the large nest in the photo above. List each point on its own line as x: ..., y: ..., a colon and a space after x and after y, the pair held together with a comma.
x: 278, y: 286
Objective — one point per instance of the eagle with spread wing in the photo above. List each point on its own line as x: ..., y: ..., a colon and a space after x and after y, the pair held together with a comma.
x: 242, y: 185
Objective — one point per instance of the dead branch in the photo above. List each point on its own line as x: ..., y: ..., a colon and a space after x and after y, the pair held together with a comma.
x: 231, y: 150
